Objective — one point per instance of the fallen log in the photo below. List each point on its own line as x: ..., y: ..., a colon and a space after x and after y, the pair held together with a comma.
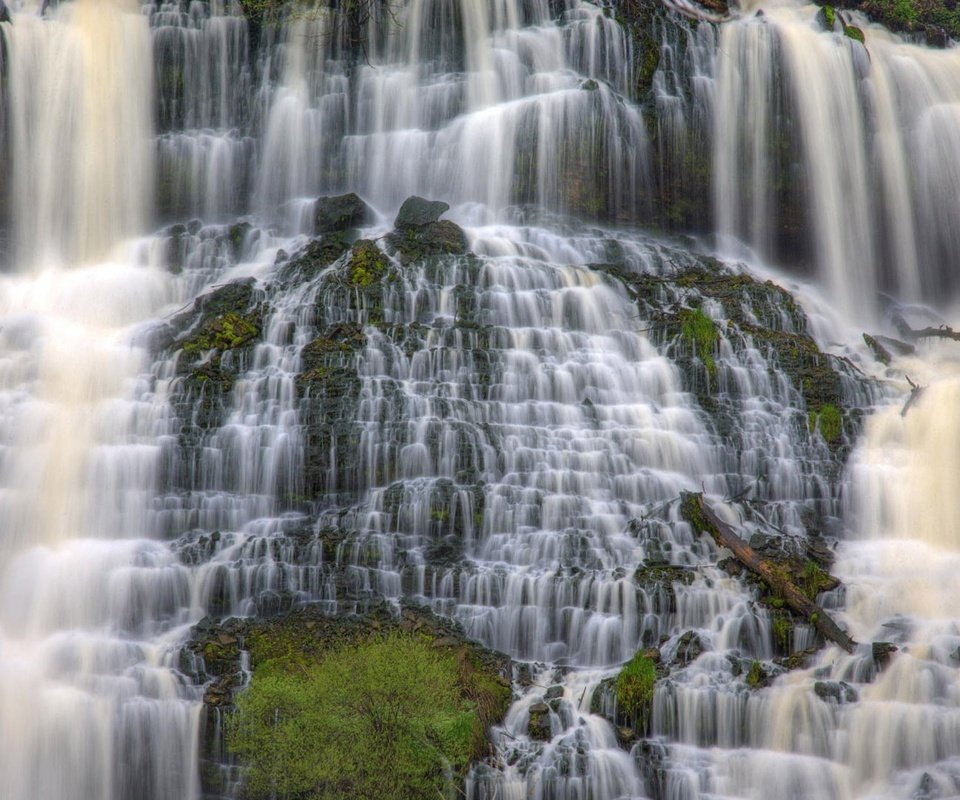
x: 695, y: 510
x: 914, y: 334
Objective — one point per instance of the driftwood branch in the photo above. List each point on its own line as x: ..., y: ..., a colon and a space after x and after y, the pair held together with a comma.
x: 915, y: 390
x: 702, y: 517
x: 914, y: 334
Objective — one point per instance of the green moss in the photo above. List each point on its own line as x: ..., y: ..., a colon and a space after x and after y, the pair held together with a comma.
x: 855, y: 33
x: 701, y: 333
x: 755, y: 677
x: 814, y: 580
x: 381, y: 718
x: 367, y: 264
x: 224, y: 332
x: 782, y: 632
x: 634, y: 688
x: 830, y: 16
x: 829, y: 421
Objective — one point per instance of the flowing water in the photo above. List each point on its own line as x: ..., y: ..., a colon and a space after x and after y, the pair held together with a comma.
x: 507, y: 438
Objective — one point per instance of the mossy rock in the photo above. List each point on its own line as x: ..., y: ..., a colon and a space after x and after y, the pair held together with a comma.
x: 538, y: 727
x: 416, y: 212
x: 339, y: 213
x: 433, y: 239
x: 756, y: 676
x: 366, y: 265
x: 311, y: 260
x: 214, y: 337
x: 222, y: 332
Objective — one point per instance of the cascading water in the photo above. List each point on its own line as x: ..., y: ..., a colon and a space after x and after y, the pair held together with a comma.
x: 195, y: 423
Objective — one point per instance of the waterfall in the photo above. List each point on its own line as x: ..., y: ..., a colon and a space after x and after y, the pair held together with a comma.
x: 79, y: 105
x: 208, y: 411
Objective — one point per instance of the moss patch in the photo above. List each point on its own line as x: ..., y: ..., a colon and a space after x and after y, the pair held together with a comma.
x: 376, y: 719
x: 829, y: 421
x: 634, y: 689
x: 701, y: 333
x: 367, y: 264
x: 221, y: 333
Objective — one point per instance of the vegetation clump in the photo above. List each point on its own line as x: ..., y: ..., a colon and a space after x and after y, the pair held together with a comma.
x: 367, y: 264
x: 756, y: 678
x: 225, y: 332
x: 393, y: 716
x: 829, y: 421
x: 634, y: 688
x: 701, y: 333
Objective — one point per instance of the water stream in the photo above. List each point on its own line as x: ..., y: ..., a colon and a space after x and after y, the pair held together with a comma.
x: 507, y: 437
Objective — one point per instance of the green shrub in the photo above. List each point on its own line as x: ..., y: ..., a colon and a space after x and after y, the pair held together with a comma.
x: 634, y: 688
x: 701, y: 333
x: 829, y: 421
x: 388, y: 718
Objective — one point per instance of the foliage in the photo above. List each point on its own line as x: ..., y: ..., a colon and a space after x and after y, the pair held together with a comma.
x: 224, y: 332
x: 367, y: 264
x: 755, y: 676
x: 782, y: 630
x: 814, y: 579
x: 389, y: 717
x: 634, y: 687
x: 829, y: 421
x: 701, y: 333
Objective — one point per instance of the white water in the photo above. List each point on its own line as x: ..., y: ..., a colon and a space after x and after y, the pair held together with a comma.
x: 534, y: 420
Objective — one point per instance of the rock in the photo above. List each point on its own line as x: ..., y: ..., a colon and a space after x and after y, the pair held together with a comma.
x: 340, y: 212
x: 417, y: 212
x: 882, y: 652
x: 896, y: 346
x: 413, y: 244
x: 936, y: 36
x: 689, y: 648
x: 838, y: 691
x: 827, y: 20
x: 539, y: 726
x: 554, y: 692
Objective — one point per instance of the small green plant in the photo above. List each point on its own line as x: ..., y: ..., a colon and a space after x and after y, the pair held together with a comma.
x: 391, y: 717
x: 634, y: 688
x: 813, y: 579
x: 829, y: 421
x: 367, y: 264
x: 701, y: 334
x: 855, y: 33
x: 755, y: 676
x: 782, y: 630
x: 225, y: 332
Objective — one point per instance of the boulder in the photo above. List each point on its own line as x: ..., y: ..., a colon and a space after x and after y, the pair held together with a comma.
x: 337, y: 213
x: 417, y: 212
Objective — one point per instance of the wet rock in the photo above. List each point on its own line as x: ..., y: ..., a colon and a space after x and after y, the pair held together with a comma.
x: 836, y: 691
x: 882, y: 652
x: 827, y: 19
x: 689, y: 649
x: 554, y: 693
x: 340, y: 212
x: 417, y: 212
x: 366, y: 266
x: 413, y: 244
x: 319, y: 254
x: 757, y: 677
x: 237, y: 236
x: 538, y: 728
